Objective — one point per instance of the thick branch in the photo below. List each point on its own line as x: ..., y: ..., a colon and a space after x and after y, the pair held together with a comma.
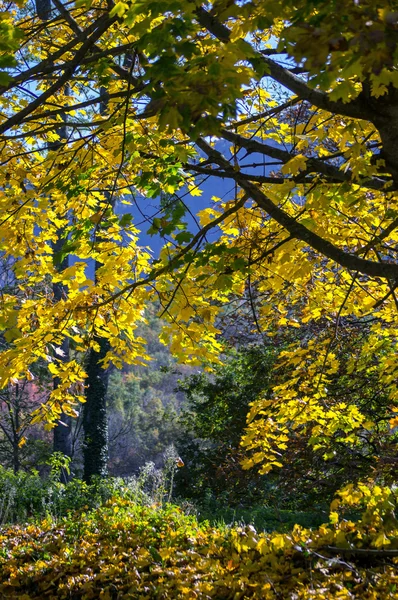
x: 249, y: 177
x: 362, y: 552
x: 314, y: 165
x: 349, y: 261
x: 356, y: 109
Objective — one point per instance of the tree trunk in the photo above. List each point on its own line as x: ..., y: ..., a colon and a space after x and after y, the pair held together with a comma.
x: 43, y: 9
x: 63, y: 431
x: 95, y: 418
x: 16, y: 463
x: 62, y: 441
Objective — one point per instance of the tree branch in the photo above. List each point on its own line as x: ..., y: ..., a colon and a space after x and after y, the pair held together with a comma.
x: 76, y: 29
x: 174, y: 261
x: 357, y: 108
x: 26, y: 75
x: 229, y: 175
x: 361, y: 552
x: 313, y: 164
x: 73, y: 107
x: 18, y: 118
x: 266, y: 114
x: 386, y: 270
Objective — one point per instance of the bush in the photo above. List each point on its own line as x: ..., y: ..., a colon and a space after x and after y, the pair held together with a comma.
x: 27, y: 496
x: 123, y: 550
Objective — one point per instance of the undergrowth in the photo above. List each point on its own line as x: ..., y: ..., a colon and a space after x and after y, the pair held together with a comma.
x: 29, y: 497
x: 125, y: 550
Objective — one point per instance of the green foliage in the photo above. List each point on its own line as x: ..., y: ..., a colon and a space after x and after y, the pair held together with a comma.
x: 122, y: 549
x: 219, y: 403
x: 263, y: 518
x: 10, y: 39
x: 216, y: 419
x: 59, y: 464
x: 29, y: 497
x: 309, y: 86
x: 143, y: 420
x: 213, y: 423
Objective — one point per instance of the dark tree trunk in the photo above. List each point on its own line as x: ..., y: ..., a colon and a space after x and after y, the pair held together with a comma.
x: 16, y: 465
x: 43, y: 9
x: 95, y: 418
x: 63, y: 431
x: 16, y: 462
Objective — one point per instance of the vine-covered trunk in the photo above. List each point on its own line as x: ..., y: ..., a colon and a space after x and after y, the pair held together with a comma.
x: 95, y: 419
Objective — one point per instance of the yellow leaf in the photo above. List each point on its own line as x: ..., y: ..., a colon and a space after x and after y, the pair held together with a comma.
x: 295, y: 165
x: 393, y: 422
x: 195, y: 191
x: 278, y: 542
x: 97, y: 217
x: 52, y: 367
x: 119, y: 9
x: 381, y: 540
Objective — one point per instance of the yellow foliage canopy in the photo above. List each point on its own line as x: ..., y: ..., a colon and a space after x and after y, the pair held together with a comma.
x: 294, y: 103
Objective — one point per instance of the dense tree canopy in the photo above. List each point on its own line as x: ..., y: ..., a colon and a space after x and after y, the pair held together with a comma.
x: 293, y: 104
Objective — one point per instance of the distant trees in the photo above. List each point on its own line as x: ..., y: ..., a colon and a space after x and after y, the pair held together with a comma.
x: 16, y: 404
x: 144, y: 405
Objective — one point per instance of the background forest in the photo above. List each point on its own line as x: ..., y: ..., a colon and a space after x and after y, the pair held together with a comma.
x: 164, y: 408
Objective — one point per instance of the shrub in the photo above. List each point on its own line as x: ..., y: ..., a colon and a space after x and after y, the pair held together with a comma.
x: 27, y: 496
x: 123, y: 550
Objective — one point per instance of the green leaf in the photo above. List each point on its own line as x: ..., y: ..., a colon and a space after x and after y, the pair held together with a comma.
x: 184, y: 236
x: 239, y: 264
x: 5, y: 78
x: 126, y: 220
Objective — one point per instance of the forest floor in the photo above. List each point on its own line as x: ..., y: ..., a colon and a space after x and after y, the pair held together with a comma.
x: 125, y: 550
